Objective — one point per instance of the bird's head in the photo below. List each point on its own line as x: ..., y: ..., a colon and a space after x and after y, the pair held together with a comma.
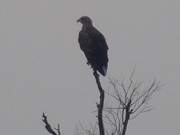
x: 85, y: 20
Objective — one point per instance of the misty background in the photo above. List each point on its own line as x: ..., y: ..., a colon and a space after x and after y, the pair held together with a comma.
x: 42, y: 68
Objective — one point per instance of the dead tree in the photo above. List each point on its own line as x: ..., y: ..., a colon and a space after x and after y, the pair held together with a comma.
x: 129, y: 99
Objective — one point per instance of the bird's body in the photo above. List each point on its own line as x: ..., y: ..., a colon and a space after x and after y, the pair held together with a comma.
x: 94, y: 46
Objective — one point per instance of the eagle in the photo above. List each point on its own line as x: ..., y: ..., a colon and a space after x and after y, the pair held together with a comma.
x: 93, y: 44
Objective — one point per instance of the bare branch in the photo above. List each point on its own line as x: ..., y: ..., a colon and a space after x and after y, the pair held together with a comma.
x: 132, y: 100
x: 48, y: 126
x: 100, y: 105
x: 58, y: 129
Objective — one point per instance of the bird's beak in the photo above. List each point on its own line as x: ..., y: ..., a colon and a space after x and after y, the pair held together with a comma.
x: 78, y: 20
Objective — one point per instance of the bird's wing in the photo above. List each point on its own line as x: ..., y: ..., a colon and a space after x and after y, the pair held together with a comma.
x: 100, y: 46
x: 99, y: 39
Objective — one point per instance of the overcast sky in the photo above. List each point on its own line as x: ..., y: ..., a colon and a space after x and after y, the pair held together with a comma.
x: 43, y: 70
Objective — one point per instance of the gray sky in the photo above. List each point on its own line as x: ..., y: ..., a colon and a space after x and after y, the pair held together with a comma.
x: 43, y: 69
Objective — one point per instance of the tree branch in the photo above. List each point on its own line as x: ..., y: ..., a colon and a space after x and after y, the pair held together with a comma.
x: 132, y: 100
x: 100, y: 105
x: 48, y: 126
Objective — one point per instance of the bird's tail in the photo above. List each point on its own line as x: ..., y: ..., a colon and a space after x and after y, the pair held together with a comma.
x: 103, y: 70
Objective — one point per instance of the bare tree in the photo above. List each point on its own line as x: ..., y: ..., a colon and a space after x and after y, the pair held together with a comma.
x: 130, y: 99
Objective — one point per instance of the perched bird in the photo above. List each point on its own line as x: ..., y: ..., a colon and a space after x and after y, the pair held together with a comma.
x: 94, y: 45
